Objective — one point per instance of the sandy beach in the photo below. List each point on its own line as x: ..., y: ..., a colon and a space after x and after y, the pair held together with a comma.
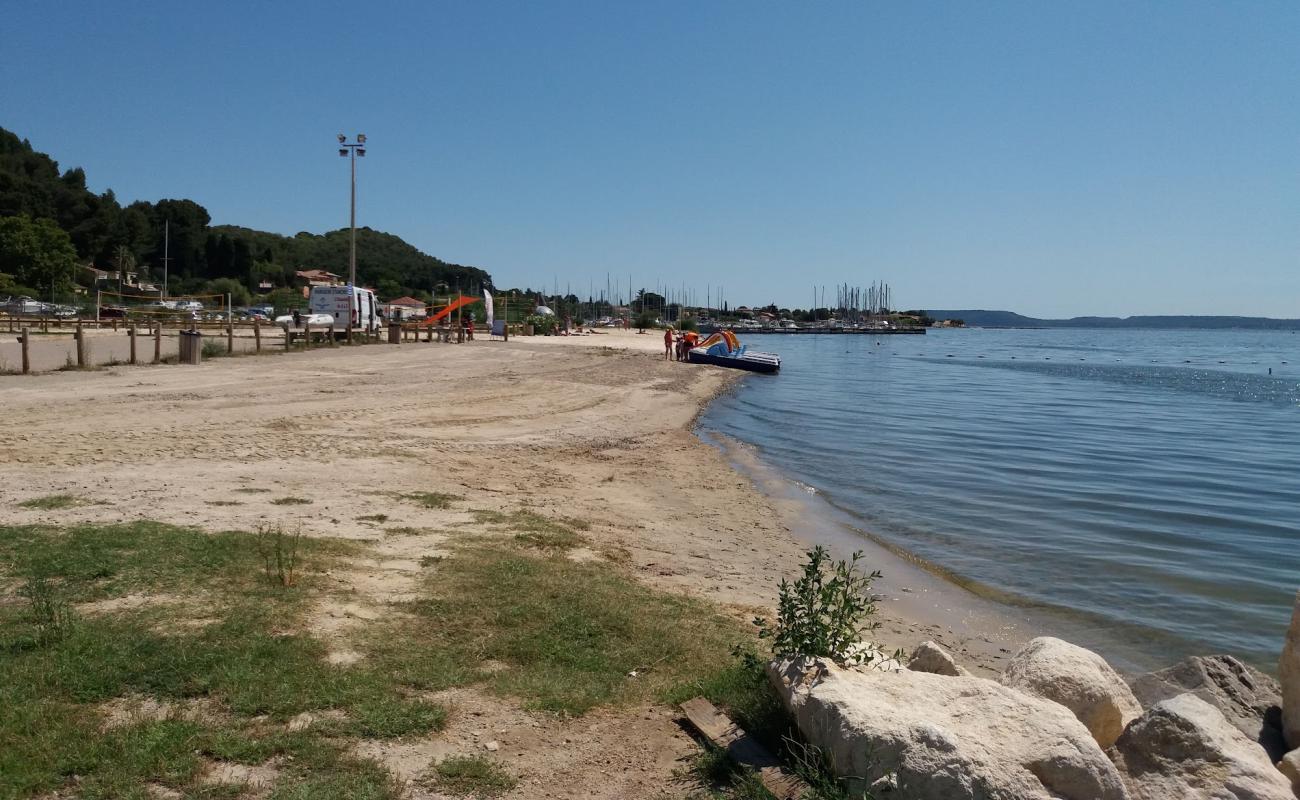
x: 598, y: 427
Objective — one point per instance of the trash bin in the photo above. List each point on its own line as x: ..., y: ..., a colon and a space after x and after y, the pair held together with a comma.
x: 191, y: 347
x: 394, y: 333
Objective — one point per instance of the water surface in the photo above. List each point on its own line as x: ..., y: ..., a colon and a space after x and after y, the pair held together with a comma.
x: 1139, y: 487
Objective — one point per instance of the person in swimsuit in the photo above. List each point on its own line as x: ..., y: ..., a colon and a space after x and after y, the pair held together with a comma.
x: 668, y: 343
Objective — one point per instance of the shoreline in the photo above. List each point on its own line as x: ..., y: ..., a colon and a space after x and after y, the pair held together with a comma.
x: 597, y: 432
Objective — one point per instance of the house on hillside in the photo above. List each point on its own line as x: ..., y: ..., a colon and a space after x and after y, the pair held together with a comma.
x: 405, y: 308
x: 307, y: 278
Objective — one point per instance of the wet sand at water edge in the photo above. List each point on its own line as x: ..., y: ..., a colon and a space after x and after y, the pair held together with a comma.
x: 598, y: 427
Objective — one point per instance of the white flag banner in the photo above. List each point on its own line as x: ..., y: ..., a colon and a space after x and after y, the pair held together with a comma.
x: 487, y: 303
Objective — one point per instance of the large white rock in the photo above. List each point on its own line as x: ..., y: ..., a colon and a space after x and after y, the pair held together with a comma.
x: 940, y: 737
x: 1184, y: 748
x: 1289, y: 672
x: 930, y: 657
x: 1290, y: 767
x: 1078, y: 679
x: 1248, y: 698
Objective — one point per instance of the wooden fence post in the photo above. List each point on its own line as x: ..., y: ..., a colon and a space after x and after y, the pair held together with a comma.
x: 306, y: 336
x: 349, y: 330
x: 132, y: 332
x: 230, y: 337
x: 257, y: 337
x: 157, y: 342
x: 27, y: 359
x: 81, y: 346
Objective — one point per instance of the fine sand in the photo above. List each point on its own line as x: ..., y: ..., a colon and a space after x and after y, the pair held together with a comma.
x: 596, y: 426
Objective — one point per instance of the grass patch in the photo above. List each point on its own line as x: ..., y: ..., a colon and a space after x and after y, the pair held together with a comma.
x: 472, y: 776
x: 251, y: 663
x: 290, y: 501
x: 536, y: 530
x: 380, y: 518
x: 222, y: 503
x: 571, y: 633
x: 51, y: 502
x: 252, y: 490
x: 436, y: 500
x: 391, y: 716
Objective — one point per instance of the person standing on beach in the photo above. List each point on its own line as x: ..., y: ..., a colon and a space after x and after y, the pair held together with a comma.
x: 668, y: 343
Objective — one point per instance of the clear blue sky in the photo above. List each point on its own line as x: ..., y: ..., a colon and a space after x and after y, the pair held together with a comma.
x: 1046, y: 157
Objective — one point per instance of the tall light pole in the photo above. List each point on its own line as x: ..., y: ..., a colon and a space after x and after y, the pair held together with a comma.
x: 352, y: 150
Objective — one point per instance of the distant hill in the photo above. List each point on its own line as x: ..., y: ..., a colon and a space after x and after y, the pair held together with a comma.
x: 979, y: 318
x: 104, y: 233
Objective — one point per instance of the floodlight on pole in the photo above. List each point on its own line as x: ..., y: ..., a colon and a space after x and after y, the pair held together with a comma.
x: 353, y: 150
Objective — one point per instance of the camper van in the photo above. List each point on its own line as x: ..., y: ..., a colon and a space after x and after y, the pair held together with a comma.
x: 346, y: 302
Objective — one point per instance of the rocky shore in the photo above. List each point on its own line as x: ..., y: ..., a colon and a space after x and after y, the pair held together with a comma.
x: 1058, y: 724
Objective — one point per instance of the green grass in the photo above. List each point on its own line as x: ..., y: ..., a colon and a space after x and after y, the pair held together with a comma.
x: 290, y: 501
x: 570, y: 633
x: 471, y: 776
x: 434, y: 500
x: 222, y: 503
x: 252, y: 490
x: 380, y: 518
x: 51, y: 502
x: 251, y: 663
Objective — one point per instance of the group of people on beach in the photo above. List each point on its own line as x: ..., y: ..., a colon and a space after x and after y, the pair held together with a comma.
x: 679, y: 343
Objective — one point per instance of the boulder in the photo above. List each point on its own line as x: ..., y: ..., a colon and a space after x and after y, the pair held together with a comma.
x: 939, y: 737
x: 1078, y: 679
x: 1185, y: 748
x: 1289, y: 672
x: 1248, y: 698
x: 1290, y: 768
x: 930, y: 657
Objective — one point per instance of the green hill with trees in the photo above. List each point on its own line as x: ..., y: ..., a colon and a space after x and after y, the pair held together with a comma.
x: 51, y: 224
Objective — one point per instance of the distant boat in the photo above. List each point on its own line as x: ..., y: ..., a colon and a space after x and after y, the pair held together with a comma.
x: 723, y: 349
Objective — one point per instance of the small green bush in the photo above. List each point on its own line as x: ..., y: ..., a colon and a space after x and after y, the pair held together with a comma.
x: 826, y: 613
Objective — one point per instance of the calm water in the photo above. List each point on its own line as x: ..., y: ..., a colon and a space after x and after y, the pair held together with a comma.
x: 1142, y: 486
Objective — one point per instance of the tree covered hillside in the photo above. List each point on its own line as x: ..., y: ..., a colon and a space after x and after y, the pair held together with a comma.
x: 51, y: 223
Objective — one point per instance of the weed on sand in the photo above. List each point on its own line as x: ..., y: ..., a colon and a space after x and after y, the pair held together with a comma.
x: 536, y: 530
x: 51, y: 502
x: 290, y: 501
x: 434, y: 500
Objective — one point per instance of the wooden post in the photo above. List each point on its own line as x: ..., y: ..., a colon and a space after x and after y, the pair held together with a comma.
x: 230, y: 337
x: 306, y: 335
x: 132, y: 332
x: 27, y: 359
x: 288, y: 338
x: 157, y: 342
x: 257, y: 337
x: 81, y: 346
x: 114, y: 325
x: 349, y: 330
x: 45, y: 324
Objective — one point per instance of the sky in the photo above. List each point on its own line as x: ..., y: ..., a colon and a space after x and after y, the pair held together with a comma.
x: 1051, y: 158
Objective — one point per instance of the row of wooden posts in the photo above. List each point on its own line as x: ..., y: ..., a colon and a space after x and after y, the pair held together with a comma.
x: 397, y: 333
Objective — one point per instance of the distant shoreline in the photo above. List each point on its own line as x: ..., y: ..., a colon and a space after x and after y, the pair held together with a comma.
x: 984, y: 318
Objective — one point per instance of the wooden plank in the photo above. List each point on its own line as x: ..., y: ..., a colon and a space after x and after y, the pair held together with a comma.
x: 743, y: 749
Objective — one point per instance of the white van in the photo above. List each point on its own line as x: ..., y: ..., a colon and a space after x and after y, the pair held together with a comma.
x: 347, y: 302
